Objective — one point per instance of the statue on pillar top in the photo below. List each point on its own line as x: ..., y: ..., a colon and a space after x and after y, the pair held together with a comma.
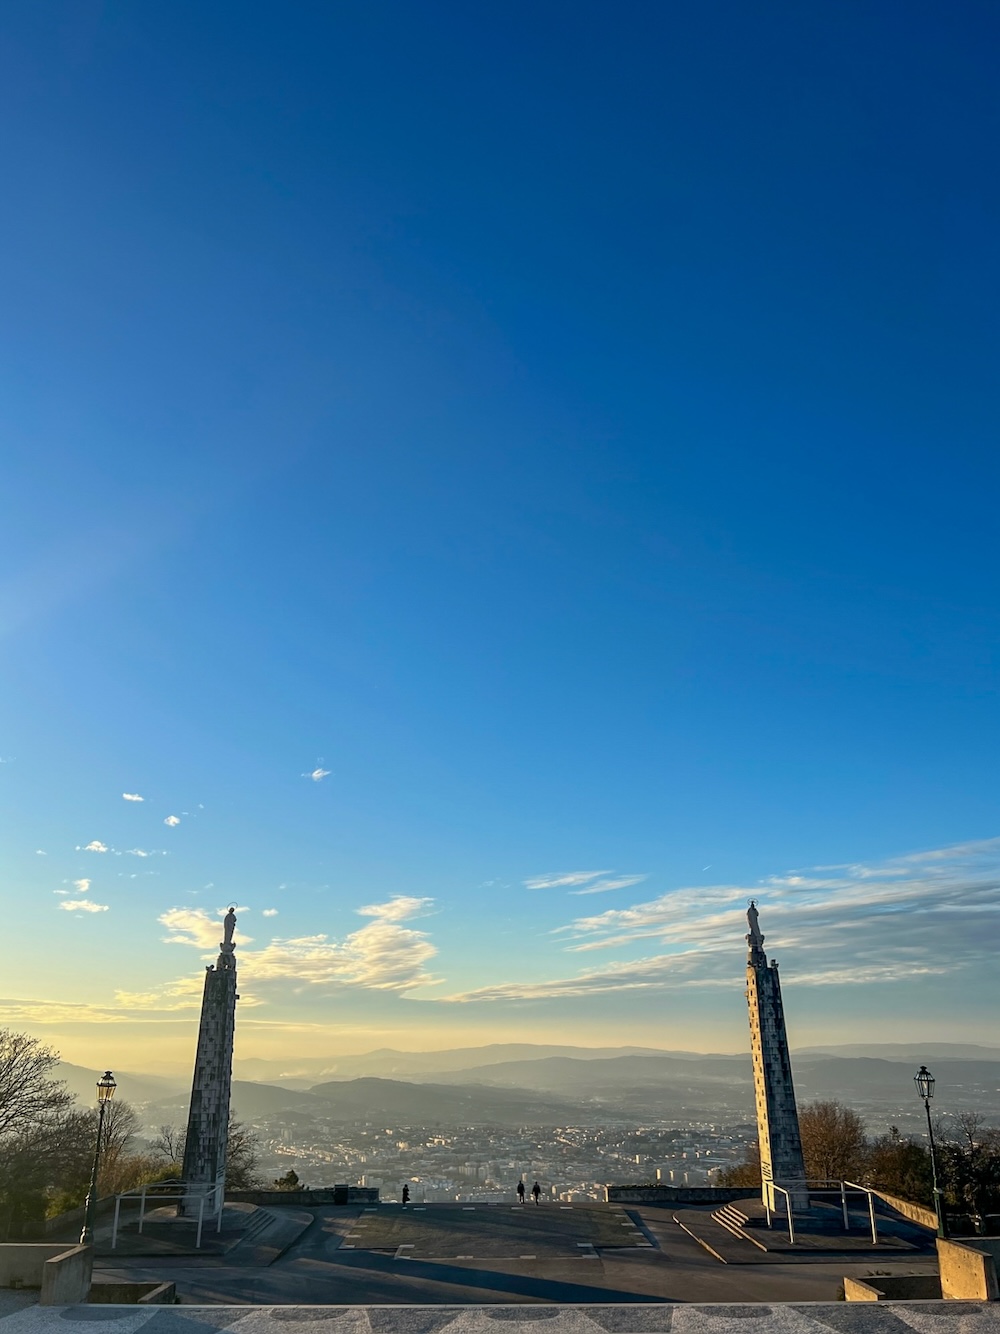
x: 227, y: 950
x: 755, y: 938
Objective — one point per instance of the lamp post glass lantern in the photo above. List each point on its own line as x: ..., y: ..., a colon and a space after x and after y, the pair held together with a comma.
x: 924, y: 1081
x: 105, y: 1092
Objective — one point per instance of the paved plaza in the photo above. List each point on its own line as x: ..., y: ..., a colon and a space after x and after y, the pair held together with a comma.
x: 446, y: 1254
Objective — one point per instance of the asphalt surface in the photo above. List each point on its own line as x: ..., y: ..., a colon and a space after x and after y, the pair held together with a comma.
x: 550, y: 1256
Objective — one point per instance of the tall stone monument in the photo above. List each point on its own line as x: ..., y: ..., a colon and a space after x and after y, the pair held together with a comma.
x: 208, y: 1118
x: 781, y: 1161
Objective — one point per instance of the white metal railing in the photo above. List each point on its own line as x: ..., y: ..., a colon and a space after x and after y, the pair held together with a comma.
x: 155, y: 1191
x: 853, y: 1185
x: 825, y: 1183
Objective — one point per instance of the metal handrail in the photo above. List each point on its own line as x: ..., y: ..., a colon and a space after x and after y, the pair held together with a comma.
x: 825, y: 1181
x: 217, y: 1195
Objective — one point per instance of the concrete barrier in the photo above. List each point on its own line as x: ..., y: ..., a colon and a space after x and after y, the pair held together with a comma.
x: 969, y: 1269
x: 66, y: 1277
x: 893, y: 1288
x: 678, y: 1194
x: 308, y: 1199
x: 22, y: 1263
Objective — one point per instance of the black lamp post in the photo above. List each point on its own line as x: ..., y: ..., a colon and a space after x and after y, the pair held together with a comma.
x: 105, y: 1092
x: 924, y: 1081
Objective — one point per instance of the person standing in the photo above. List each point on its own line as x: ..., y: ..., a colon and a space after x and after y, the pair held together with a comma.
x: 536, y: 1190
x: 520, y: 1192
x: 406, y: 1195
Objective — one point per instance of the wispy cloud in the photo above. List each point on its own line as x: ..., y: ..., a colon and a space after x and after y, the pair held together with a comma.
x: 923, y: 914
x: 558, y: 879
x: 269, y: 912
x: 145, y: 852
x: 132, y: 796
x: 603, y: 886
x: 82, y: 886
x: 40, y: 852
x: 172, y: 820
x: 317, y: 775
x: 95, y: 845
x: 29, y: 1011
x: 396, y: 909
x: 184, y: 994
x: 82, y: 905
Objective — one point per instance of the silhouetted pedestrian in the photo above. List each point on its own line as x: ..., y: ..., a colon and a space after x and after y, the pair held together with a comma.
x: 536, y: 1190
x: 520, y: 1192
x: 406, y: 1195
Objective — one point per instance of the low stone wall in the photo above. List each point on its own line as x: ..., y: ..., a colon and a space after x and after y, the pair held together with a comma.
x: 66, y: 1277
x: 22, y: 1263
x: 969, y: 1269
x: 916, y: 1213
x: 305, y: 1198
x: 893, y: 1288
x: 133, y: 1294
x: 650, y: 1194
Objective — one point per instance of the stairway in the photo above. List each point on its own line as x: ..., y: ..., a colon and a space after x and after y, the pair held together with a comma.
x: 734, y: 1220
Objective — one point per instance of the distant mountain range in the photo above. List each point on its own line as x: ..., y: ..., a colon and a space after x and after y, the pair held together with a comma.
x: 393, y: 1064
x: 522, y: 1084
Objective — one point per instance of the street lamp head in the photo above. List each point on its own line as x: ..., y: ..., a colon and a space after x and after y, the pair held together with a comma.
x: 924, y: 1081
x: 106, y: 1087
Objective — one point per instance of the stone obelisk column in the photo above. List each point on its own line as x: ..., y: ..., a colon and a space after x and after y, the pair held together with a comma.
x: 781, y: 1161
x: 208, y: 1118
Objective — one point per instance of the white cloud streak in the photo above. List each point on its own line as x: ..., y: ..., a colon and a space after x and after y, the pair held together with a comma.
x: 925, y: 914
x: 317, y: 775
x: 560, y: 879
x: 172, y: 821
x: 95, y: 845
x: 132, y: 796
x: 82, y: 886
x: 83, y: 905
x: 604, y: 886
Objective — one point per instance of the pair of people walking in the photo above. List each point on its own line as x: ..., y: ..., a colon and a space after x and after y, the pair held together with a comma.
x: 536, y: 1191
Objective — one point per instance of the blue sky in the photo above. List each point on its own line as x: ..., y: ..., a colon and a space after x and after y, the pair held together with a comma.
x: 571, y: 428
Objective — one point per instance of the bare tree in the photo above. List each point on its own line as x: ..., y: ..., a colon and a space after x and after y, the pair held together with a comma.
x: 169, y: 1145
x: 242, y: 1152
x: 241, y: 1156
x: 120, y: 1129
x: 29, y: 1096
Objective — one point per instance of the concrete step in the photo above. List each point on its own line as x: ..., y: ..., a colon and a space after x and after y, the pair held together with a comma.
x: 270, y: 1238
x: 726, y: 1243
x: 734, y: 1223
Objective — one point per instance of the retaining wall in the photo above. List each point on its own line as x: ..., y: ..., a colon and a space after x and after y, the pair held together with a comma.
x: 893, y: 1288
x: 305, y: 1198
x: 22, y: 1263
x: 969, y: 1269
x: 678, y: 1194
x: 916, y: 1213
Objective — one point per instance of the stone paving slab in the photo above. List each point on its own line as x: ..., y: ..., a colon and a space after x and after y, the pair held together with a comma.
x: 804, y: 1318
x: 441, y: 1231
